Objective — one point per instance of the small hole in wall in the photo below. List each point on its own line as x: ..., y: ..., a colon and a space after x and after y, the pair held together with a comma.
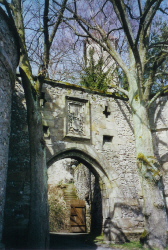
x: 107, y: 138
x: 46, y: 131
x: 42, y: 99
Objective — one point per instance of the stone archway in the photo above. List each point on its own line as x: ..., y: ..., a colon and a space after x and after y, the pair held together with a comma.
x: 100, y: 177
x: 85, y: 158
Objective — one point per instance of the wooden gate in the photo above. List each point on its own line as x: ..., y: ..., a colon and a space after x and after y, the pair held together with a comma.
x: 78, y: 214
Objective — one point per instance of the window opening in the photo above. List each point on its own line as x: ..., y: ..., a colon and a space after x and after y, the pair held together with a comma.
x: 107, y: 138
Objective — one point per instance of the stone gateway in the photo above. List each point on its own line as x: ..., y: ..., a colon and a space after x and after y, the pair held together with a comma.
x: 86, y: 126
x: 96, y: 130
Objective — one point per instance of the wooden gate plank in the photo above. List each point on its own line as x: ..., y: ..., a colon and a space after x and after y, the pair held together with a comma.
x: 77, y: 219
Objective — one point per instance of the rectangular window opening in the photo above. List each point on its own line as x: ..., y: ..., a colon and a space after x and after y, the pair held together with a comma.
x: 42, y: 99
x: 46, y: 131
x: 107, y: 138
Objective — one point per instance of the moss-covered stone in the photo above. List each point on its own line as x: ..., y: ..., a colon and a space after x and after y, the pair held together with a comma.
x: 150, y: 168
x: 144, y: 236
x: 136, y: 97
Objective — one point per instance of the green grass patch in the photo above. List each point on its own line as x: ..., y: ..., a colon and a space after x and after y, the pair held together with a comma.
x: 99, y: 239
x: 131, y: 245
x: 128, y: 245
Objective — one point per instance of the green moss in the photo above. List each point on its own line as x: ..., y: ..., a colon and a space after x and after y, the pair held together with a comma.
x: 144, y: 234
x: 117, y: 94
x: 143, y: 237
x: 136, y: 97
x: 67, y: 83
x: 141, y: 157
x: 99, y: 239
x: 155, y: 172
x: 34, y: 92
x: 78, y: 166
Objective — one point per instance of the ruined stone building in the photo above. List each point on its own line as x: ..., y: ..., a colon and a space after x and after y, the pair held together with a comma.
x: 86, y: 126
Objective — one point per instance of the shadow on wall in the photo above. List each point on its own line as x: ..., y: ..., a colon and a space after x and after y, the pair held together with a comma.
x: 96, y: 210
x: 164, y: 161
x: 113, y: 232
x: 158, y: 122
x: 156, y: 112
x: 18, y: 177
x: 159, y: 125
x: 53, y: 123
x: 127, y: 110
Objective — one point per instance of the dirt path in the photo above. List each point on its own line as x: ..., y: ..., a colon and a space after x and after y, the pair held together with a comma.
x: 75, y: 242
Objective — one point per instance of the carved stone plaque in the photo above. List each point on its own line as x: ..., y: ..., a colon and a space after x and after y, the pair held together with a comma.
x: 77, y: 118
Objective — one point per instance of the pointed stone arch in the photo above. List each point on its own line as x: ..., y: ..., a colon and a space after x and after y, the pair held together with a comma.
x: 84, y: 157
x: 96, y: 168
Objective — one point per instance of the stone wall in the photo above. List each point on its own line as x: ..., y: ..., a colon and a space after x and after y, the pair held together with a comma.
x: 87, y: 126
x: 109, y: 140
x: 97, y: 131
x: 18, y: 178
x: 8, y: 64
x: 159, y: 126
x: 102, y: 129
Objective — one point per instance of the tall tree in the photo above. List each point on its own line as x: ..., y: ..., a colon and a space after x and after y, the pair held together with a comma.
x: 38, y: 225
x: 140, y: 56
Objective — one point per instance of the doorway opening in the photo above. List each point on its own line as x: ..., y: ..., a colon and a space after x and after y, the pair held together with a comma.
x: 74, y: 195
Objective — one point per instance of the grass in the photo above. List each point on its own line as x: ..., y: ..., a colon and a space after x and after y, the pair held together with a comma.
x: 131, y: 246
x: 124, y: 246
x: 128, y: 245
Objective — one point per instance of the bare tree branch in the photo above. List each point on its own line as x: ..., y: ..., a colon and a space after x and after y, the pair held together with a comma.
x: 59, y: 19
x: 164, y: 90
x: 125, y: 92
x: 119, y: 7
x: 164, y: 10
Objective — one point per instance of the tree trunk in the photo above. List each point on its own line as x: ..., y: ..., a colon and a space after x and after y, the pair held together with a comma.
x: 154, y: 211
x: 38, y: 226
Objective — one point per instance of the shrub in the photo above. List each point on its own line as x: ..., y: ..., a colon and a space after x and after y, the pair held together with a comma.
x: 59, y: 214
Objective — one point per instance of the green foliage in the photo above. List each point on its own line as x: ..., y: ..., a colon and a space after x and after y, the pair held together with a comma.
x: 59, y: 217
x: 128, y: 245
x: 94, y: 76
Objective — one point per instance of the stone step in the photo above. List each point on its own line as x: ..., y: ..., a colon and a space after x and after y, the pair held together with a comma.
x: 69, y: 193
